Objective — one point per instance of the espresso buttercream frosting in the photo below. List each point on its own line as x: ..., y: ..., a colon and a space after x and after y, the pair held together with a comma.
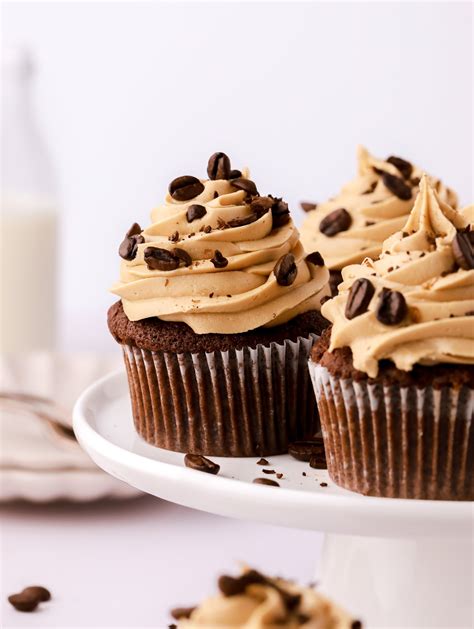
x: 226, y: 260
x: 414, y: 304
x: 376, y: 204
x: 254, y: 601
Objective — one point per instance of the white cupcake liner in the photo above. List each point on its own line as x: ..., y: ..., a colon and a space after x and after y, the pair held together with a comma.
x: 398, y: 442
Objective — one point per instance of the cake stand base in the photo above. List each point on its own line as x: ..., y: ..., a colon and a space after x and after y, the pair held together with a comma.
x: 390, y: 562
x: 409, y: 583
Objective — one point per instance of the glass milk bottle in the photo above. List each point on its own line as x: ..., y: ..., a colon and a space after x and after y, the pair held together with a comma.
x: 28, y: 221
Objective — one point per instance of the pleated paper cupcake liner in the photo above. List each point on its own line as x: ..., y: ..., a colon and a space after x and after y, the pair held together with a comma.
x: 247, y: 402
x: 397, y: 442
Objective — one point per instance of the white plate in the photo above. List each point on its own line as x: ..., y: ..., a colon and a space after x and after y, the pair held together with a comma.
x: 103, y: 425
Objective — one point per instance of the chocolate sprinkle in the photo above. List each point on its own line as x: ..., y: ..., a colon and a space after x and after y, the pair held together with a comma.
x: 201, y: 463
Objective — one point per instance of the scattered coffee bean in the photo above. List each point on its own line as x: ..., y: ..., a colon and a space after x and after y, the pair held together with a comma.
x: 201, y: 463
x: 304, y: 450
x: 185, y: 188
x: 360, y: 295
x: 129, y: 245
x: 463, y: 250
x: 195, y: 211
x: 182, y: 612
x: 279, y: 475
x: 306, y: 206
x: 404, y: 167
x: 245, y: 184
x: 158, y: 259
x: 356, y: 624
x: 39, y: 592
x: 336, y: 221
x: 315, y: 258
x: 303, y: 473
x: 183, y: 256
x: 286, y: 270
x: 235, y: 174
x: 23, y: 603
x: 266, y: 481
x: 218, y: 260
x: 323, y: 484
x: 218, y: 166
x: 391, y: 308
x: 268, y: 471
x: 263, y: 462
x: 397, y: 186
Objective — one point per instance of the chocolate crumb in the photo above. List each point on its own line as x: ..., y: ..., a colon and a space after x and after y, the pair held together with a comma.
x: 303, y: 473
x: 323, y: 484
x: 174, y: 237
x: 268, y: 471
x: 307, y: 206
x: 211, y: 295
x: 263, y: 462
x: 219, y: 261
x: 182, y: 612
x: 279, y: 475
x: 201, y: 463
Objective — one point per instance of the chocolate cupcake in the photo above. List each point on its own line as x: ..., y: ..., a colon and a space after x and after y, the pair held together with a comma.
x: 394, y: 377
x: 256, y: 601
x: 219, y: 309
x: 373, y: 206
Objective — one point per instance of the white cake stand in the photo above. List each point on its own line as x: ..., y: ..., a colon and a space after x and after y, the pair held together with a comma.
x: 393, y: 563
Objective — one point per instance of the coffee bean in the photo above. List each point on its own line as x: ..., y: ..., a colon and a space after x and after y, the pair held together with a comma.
x: 304, y: 450
x: 360, y: 295
x: 306, y: 206
x: 183, y: 256
x: 286, y: 270
x: 158, y: 259
x: 218, y: 166
x: 185, y: 188
x: 218, y: 260
x: 323, y: 484
x: 268, y: 471
x: 195, y: 211
x: 463, y: 250
x: 235, y: 174
x: 129, y: 245
x: 263, y: 462
x: 37, y: 591
x: 318, y: 462
x: 245, y: 184
x: 266, y: 481
x: 401, y: 165
x: 201, y: 464
x: 182, y: 612
x: 397, y: 186
x: 336, y: 221
x: 280, y: 213
x: 315, y: 258
x: 23, y: 603
x: 391, y: 308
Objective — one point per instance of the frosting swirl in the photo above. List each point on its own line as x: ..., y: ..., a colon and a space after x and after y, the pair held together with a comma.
x: 422, y: 264
x: 375, y: 211
x: 265, y: 604
x: 232, y: 239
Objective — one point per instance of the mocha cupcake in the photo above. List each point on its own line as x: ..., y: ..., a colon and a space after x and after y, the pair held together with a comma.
x: 255, y: 601
x: 369, y: 209
x: 394, y: 377
x: 219, y: 309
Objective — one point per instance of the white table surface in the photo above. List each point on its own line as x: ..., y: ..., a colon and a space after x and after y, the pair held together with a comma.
x: 125, y: 564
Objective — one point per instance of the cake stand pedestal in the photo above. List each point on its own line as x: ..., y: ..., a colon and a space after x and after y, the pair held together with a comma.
x: 393, y: 563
